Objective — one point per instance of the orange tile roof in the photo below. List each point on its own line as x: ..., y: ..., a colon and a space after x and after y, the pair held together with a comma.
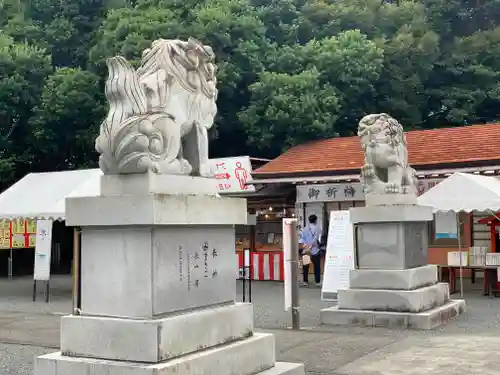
x: 462, y: 144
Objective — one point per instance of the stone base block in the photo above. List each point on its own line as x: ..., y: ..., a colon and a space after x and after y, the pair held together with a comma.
x: 425, y: 320
x: 245, y: 357
x: 155, y: 209
x: 393, y: 245
x: 393, y: 213
x: 154, y: 340
x: 153, y: 183
x: 390, y: 199
x: 285, y: 368
x: 413, y: 301
x: 408, y: 279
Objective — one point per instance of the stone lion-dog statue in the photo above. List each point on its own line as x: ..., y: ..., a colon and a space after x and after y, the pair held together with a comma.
x: 160, y: 113
x: 386, y: 169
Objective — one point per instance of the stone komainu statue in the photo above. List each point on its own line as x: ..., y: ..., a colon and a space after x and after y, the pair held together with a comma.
x: 160, y: 113
x: 386, y: 169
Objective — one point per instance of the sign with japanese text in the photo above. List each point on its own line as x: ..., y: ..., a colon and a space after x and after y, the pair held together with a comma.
x: 17, y: 234
x: 5, y: 234
x: 339, y: 259
x: 345, y: 191
x: 43, y: 250
x: 330, y: 192
x: 232, y: 174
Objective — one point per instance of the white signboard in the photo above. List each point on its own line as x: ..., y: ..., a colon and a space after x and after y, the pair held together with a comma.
x: 446, y: 225
x: 43, y: 249
x: 341, y: 192
x: 339, y: 255
x: 232, y: 174
x: 287, y: 255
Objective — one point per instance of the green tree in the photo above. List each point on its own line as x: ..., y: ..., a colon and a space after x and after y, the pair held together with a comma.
x: 465, y: 87
x: 8, y: 10
x: 5, y: 40
x: 127, y: 32
x: 23, y: 70
x: 68, y: 27
x: 289, y: 70
x: 287, y: 110
x: 66, y: 120
x: 352, y: 64
x: 322, y: 92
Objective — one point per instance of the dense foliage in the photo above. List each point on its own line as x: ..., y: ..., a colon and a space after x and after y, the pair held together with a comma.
x: 289, y: 70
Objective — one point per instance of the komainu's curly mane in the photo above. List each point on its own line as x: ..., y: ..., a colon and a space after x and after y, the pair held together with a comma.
x: 382, y: 122
x: 189, y: 64
x: 159, y: 114
x: 386, y: 168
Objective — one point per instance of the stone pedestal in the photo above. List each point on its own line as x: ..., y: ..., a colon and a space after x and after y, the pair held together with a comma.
x: 393, y: 286
x: 391, y: 237
x: 158, y: 285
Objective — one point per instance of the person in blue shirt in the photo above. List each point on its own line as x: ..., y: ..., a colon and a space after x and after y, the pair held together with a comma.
x: 309, y: 243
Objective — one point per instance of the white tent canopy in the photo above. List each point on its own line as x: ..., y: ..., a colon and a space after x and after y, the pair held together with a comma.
x: 464, y: 192
x: 42, y: 195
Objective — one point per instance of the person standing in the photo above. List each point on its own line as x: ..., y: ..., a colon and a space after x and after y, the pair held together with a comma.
x: 309, y: 247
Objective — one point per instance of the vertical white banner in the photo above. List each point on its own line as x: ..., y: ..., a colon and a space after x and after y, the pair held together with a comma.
x: 43, y: 249
x: 287, y: 257
x: 246, y: 264
x: 339, y: 260
x: 239, y: 270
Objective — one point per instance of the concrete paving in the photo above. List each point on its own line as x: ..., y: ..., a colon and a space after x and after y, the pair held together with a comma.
x: 471, y: 354
x: 467, y: 345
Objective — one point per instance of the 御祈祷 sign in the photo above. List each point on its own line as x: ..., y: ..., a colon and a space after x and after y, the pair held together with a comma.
x: 232, y: 174
x: 17, y: 234
x: 330, y: 192
x: 346, y: 191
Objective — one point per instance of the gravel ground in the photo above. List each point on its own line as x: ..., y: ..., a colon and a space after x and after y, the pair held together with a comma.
x: 325, y: 350
x: 18, y: 359
x: 267, y: 297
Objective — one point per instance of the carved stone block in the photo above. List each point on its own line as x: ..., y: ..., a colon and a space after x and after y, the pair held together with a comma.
x: 143, y: 272
x: 392, y: 245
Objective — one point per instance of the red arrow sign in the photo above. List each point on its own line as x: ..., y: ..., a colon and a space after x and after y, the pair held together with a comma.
x: 222, y: 176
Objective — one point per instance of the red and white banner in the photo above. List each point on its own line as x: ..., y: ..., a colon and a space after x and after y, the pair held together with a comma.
x: 264, y: 265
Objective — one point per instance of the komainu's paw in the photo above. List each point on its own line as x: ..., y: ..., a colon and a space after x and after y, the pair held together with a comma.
x: 368, y: 171
x: 392, y: 189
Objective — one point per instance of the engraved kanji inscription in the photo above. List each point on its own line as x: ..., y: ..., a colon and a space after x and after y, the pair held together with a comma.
x: 181, y: 261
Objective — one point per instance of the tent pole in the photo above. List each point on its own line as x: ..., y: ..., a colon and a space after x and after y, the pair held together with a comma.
x: 10, y: 262
x: 460, y: 254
